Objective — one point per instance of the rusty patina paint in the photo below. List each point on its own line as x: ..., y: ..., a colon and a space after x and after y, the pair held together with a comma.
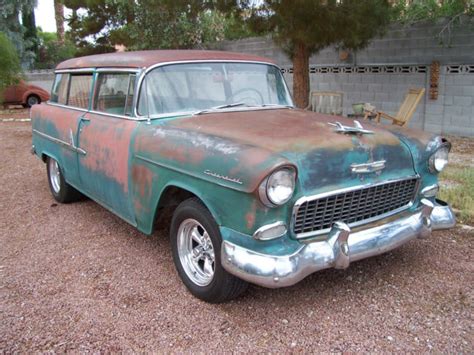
x: 248, y: 145
x: 221, y: 157
x: 104, y: 170
x: 301, y: 138
x: 107, y: 143
x: 142, y: 178
x: 145, y: 59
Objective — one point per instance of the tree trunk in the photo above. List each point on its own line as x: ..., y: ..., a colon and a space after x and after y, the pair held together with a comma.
x: 28, y: 20
x: 59, y: 16
x: 301, y: 75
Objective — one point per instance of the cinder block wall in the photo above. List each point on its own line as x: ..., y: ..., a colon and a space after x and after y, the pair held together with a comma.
x: 383, y: 72
x: 42, y: 78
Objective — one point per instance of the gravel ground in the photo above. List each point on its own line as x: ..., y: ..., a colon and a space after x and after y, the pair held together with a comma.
x: 75, y: 277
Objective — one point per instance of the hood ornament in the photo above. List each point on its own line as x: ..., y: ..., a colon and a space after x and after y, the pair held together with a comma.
x: 357, y: 129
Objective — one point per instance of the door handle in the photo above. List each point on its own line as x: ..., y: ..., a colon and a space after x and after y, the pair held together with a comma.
x: 85, y: 119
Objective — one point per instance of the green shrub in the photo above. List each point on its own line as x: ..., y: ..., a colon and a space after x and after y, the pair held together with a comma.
x: 10, y: 68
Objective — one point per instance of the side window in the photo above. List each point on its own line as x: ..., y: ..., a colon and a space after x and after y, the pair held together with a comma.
x: 79, y: 90
x: 114, y: 93
x: 59, y: 91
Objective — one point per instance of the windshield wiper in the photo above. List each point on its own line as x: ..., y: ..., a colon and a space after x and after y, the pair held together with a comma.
x: 275, y: 105
x: 220, y: 107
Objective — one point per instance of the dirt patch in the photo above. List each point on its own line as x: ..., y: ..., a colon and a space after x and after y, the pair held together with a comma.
x: 14, y: 113
x: 76, y: 278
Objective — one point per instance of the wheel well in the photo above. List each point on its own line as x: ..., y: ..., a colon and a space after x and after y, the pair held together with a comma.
x: 169, y: 200
x: 44, y: 158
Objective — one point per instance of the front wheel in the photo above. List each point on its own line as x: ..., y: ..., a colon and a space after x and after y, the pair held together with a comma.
x: 196, y: 245
x: 60, y: 189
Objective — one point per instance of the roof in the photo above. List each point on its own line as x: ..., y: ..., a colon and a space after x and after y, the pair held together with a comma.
x: 144, y: 59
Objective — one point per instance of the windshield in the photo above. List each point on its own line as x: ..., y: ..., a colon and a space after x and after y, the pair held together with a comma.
x: 193, y: 87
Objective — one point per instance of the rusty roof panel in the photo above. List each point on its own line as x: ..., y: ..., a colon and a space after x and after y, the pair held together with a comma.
x: 145, y: 59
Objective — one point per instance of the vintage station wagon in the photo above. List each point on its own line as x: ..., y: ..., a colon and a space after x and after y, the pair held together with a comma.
x: 258, y: 190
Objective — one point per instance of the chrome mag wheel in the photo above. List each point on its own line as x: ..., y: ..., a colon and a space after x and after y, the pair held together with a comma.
x: 54, y: 175
x: 196, y: 252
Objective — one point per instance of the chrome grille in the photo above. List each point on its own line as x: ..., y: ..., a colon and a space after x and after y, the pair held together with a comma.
x: 352, y: 206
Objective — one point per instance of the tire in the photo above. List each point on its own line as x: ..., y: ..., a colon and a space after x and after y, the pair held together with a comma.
x: 192, y: 258
x: 60, y: 189
x: 32, y: 100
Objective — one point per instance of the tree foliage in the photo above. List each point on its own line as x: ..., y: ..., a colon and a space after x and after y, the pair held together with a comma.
x: 303, y: 27
x: 10, y: 69
x: 97, y: 25
x: 420, y: 10
x: 453, y: 12
x: 52, y: 51
x: 10, y: 25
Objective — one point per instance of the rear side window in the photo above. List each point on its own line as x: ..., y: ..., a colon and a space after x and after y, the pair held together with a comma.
x: 79, y: 90
x: 114, y: 93
x: 59, y: 92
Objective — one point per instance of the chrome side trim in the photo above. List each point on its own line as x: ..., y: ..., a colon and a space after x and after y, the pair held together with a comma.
x: 132, y: 70
x: 67, y: 107
x: 305, y: 199
x: 123, y: 117
x: 223, y: 177
x: 71, y: 146
x: 338, y: 250
x: 75, y: 70
x: 186, y: 172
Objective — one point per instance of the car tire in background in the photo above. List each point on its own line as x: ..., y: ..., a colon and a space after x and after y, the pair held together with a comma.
x: 32, y: 100
x: 196, y: 248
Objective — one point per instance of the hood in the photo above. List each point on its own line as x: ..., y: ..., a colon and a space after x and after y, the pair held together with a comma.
x: 306, y: 139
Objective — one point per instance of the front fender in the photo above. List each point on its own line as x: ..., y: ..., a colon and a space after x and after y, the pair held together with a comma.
x: 28, y: 93
x: 239, y: 210
x: 225, y: 162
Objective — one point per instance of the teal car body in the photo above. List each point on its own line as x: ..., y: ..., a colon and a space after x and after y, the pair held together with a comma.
x: 135, y: 163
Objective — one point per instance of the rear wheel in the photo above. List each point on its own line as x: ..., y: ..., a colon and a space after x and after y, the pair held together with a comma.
x: 196, y: 245
x: 60, y: 189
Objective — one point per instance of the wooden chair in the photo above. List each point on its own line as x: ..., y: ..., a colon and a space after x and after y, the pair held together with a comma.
x: 328, y: 102
x: 406, y: 110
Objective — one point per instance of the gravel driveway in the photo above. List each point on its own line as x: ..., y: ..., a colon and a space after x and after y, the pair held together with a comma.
x: 75, y: 277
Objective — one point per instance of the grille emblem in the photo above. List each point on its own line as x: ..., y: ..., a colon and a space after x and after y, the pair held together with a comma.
x: 368, y: 168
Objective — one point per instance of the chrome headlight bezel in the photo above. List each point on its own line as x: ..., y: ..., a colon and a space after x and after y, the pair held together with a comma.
x: 439, y: 158
x: 267, y: 196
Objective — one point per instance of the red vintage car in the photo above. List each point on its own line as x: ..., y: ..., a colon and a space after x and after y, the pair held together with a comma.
x: 24, y: 94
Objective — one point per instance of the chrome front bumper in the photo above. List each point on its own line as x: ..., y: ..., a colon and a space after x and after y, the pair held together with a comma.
x: 339, y: 249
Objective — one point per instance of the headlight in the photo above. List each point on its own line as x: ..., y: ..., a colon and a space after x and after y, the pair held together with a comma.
x: 439, y: 159
x: 278, y: 188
